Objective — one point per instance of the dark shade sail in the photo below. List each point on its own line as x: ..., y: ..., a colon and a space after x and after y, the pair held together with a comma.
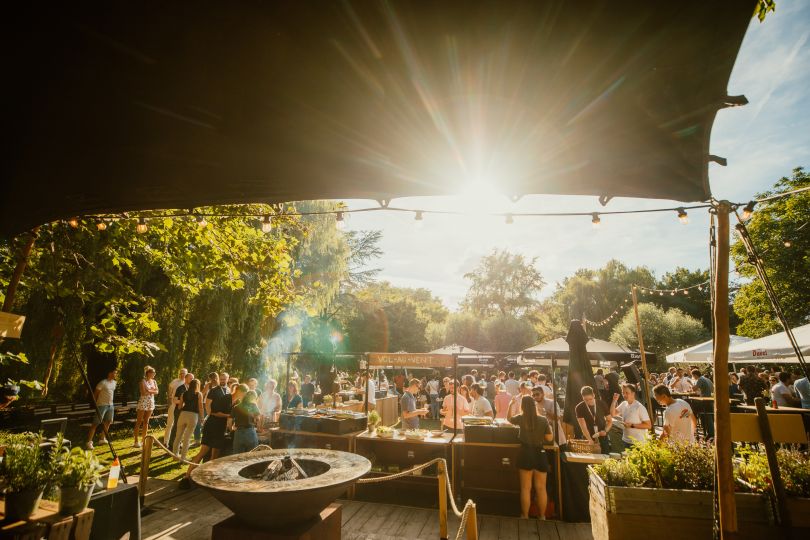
x: 580, y: 372
x: 116, y: 106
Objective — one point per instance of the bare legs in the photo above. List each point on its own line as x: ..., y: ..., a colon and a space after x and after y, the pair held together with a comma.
x: 142, y: 425
x: 527, y: 478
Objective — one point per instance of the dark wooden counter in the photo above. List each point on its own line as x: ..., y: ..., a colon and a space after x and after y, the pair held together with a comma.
x: 282, y: 438
x: 487, y: 473
x: 392, y: 455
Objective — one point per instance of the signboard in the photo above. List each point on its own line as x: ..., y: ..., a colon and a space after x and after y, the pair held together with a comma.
x: 415, y: 360
x: 11, y: 325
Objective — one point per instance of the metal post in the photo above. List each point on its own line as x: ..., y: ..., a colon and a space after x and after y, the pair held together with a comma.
x: 442, y: 479
x: 722, y: 415
x: 643, y: 360
x: 558, y: 422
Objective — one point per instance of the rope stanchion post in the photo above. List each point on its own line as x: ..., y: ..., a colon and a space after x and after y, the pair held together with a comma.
x: 441, y: 479
x: 472, y: 523
x: 146, y: 457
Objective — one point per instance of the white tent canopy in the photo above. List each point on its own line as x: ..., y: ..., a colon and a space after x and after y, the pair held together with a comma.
x: 600, y: 353
x: 701, y: 353
x: 775, y: 348
x: 454, y: 349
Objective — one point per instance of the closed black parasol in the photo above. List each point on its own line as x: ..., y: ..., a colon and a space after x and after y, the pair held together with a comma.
x: 579, y: 370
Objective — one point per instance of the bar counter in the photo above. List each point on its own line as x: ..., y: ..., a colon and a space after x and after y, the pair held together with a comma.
x: 283, y: 438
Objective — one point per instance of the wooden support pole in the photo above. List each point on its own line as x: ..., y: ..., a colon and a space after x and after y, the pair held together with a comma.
x: 722, y: 412
x: 773, y: 464
x: 645, y: 375
x: 472, y: 523
x: 19, y: 269
x: 146, y: 457
x: 442, y: 479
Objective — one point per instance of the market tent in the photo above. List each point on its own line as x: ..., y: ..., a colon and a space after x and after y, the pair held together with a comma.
x: 119, y: 106
x: 454, y: 349
x: 774, y: 348
x: 701, y: 353
x: 600, y: 352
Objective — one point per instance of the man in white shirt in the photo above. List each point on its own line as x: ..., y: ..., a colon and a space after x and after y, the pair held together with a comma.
x: 543, y: 384
x: 680, y: 383
x: 480, y: 405
x: 512, y: 385
x: 181, y: 377
x: 371, y: 393
x: 104, y: 395
x: 780, y: 392
x: 680, y: 423
x: 634, y: 416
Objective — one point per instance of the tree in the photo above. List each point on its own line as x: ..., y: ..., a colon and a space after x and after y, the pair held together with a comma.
x: 664, y: 332
x: 774, y: 226
x: 503, y: 283
x: 464, y: 329
x: 504, y: 333
x: 696, y: 304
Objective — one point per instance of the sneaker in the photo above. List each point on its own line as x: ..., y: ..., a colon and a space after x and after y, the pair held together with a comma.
x: 103, y: 441
x: 137, y: 444
x: 184, y: 483
x: 89, y: 445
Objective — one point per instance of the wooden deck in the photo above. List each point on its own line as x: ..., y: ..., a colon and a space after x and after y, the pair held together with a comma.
x: 170, y: 513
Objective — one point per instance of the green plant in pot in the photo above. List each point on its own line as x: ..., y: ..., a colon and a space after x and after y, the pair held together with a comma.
x: 79, y: 471
x: 24, y: 474
x: 373, y: 421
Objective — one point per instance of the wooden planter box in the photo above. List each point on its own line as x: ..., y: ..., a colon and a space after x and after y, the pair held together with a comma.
x: 624, y: 512
x: 799, y: 509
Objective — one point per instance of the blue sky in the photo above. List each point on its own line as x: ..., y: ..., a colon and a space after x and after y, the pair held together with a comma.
x: 763, y: 141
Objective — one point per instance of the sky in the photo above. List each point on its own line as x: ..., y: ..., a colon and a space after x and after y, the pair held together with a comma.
x: 762, y: 141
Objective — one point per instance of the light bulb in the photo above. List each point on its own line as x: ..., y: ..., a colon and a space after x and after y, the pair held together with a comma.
x: 267, y: 224
x: 141, y: 227
x: 683, y: 216
x: 672, y: 293
x: 101, y: 225
x: 595, y: 220
x: 339, y: 222
x: 418, y: 219
x: 788, y: 243
x: 509, y: 219
x: 748, y: 210
x: 74, y: 222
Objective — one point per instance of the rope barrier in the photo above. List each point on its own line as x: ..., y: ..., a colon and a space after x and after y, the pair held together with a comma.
x: 172, y: 454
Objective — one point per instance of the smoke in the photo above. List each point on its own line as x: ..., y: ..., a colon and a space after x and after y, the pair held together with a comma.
x: 286, y: 339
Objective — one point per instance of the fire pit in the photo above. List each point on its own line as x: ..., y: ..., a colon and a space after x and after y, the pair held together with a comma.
x: 264, y: 489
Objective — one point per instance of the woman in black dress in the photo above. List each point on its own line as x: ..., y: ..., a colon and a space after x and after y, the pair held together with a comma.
x: 532, y: 461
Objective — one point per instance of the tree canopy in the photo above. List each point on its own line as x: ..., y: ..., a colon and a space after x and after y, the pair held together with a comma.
x: 503, y: 283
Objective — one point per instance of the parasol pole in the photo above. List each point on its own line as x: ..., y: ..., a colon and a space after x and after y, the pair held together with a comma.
x: 643, y: 361
x: 722, y: 415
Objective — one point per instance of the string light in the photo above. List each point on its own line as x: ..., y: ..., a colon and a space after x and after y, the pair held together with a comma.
x: 509, y: 219
x: 101, y: 225
x: 267, y: 224
x: 418, y: 219
x: 788, y: 243
x: 141, y: 227
x: 74, y: 222
x: 339, y: 221
x: 748, y: 210
x: 683, y: 216
x: 595, y: 220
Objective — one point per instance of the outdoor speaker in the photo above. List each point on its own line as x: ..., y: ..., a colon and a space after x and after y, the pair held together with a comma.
x: 631, y: 373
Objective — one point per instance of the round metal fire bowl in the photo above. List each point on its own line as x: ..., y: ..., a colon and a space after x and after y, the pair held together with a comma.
x: 268, y: 503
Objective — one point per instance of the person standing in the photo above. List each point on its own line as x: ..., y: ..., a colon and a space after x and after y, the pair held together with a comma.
x: 170, y: 416
x: 551, y: 411
x: 612, y: 381
x: 525, y: 389
x: 433, y: 395
x: 491, y: 390
x: 462, y: 408
x: 780, y: 393
x: 680, y: 423
x: 802, y: 387
x: 148, y: 388
x: 269, y: 403
x: 480, y: 404
x: 512, y: 385
x: 502, y: 401
x: 752, y: 385
x: 307, y: 391
x: 410, y: 413
x: 600, y: 385
x: 104, y: 396
x: 634, y: 416
x: 177, y: 401
x: 594, y: 419
x: 680, y: 383
x: 294, y: 400
x: 734, y: 385
x: 532, y: 463
x: 190, y: 407
x: 245, y: 415
x: 218, y: 407
x: 542, y: 382
x: 701, y: 385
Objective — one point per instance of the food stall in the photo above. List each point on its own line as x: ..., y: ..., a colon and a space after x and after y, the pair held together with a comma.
x: 330, y: 429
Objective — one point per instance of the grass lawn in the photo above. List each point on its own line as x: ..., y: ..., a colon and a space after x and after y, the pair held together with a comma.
x: 161, y: 466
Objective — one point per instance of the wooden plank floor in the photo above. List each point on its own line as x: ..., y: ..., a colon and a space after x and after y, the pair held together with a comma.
x: 170, y: 513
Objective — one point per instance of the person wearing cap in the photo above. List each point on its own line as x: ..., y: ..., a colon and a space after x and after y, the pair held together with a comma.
x: 480, y: 404
x: 410, y: 413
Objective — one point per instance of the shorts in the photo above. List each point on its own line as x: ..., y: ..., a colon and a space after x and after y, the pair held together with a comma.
x: 105, y: 413
x: 146, y: 403
x: 213, y: 433
x: 532, y: 458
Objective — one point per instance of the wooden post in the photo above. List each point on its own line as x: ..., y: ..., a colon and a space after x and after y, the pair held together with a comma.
x: 146, y: 457
x: 722, y: 413
x: 645, y: 374
x: 442, y: 479
x: 773, y: 464
x: 19, y: 268
x: 472, y: 523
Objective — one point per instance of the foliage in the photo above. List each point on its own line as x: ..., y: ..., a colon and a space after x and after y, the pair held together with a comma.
x: 696, y: 304
x: 503, y: 283
x: 373, y: 418
x: 505, y: 333
x: 772, y: 224
x: 464, y: 329
x: 79, y: 468
x: 794, y: 467
x: 24, y: 465
x: 660, y: 463
x: 763, y: 8
x: 664, y: 331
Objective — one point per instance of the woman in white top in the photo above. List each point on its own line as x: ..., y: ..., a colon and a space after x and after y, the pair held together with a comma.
x: 634, y: 415
x: 463, y: 408
x: 269, y: 403
x: 146, y: 403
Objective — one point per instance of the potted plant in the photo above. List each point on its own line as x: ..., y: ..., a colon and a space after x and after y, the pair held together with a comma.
x: 24, y: 474
x: 373, y: 421
x: 79, y: 471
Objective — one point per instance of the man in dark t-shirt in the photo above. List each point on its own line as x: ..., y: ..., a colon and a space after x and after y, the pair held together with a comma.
x: 594, y: 419
x: 307, y: 390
